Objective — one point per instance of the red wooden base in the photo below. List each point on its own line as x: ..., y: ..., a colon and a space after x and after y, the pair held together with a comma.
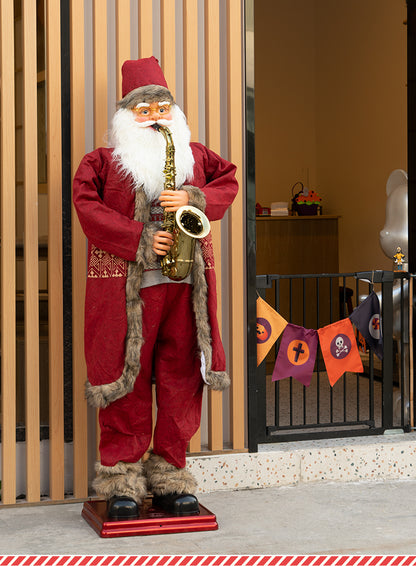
x: 152, y: 521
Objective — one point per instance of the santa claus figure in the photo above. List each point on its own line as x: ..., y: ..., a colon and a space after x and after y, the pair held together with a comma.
x: 141, y: 326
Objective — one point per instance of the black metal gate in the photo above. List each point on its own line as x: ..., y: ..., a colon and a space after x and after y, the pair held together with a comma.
x: 379, y: 399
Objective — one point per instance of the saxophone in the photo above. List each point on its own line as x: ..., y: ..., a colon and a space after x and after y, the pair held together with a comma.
x: 186, y: 225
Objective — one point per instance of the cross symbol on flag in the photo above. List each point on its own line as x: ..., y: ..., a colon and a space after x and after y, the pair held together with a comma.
x: 298, y: 351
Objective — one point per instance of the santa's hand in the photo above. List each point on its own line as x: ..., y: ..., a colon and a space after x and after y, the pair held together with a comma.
x: 172, y: 200
x: 162, y: 242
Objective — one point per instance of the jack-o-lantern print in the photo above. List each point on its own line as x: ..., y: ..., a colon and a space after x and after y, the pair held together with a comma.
x: 263, y: 330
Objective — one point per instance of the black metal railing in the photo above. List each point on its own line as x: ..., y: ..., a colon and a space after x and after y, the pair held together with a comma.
x: 371, y: 402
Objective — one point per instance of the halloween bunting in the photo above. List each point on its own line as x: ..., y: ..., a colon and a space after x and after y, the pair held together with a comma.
x: 366, y: 318
x: 298, y: 346
x: 339, y: 349
x: 270, y: 325
x: 297, y: 353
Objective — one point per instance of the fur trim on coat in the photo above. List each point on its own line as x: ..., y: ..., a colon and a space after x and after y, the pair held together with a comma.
x: 217, y: 380
x: 123, y: 479
x: 164, y: 478
x: 101, y: 396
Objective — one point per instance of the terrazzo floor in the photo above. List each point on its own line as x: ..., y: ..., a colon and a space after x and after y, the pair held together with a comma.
x: 333, y: 518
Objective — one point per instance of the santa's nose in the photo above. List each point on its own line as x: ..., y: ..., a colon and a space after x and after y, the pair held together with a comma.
x: 154, y: 114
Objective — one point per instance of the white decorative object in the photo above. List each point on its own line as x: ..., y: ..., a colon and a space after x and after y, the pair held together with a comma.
x: 395, y: 231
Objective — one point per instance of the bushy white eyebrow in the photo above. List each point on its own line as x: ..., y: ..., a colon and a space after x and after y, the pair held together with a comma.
x: 147, y: 105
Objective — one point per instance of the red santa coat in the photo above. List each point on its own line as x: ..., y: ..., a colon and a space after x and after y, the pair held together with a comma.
x: 116, y: 221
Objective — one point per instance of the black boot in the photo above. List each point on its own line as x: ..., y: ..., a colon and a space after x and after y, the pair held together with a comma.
x: 120, y: 507
x: 177, y: 504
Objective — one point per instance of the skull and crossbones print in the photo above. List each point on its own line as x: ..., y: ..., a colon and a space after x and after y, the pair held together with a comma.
x: 341, y: 346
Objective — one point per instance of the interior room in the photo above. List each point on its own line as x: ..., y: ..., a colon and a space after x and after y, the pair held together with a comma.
x: 330, y: 113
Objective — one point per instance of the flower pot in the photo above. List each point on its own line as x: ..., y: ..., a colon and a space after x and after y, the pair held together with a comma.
x: 304, y: 209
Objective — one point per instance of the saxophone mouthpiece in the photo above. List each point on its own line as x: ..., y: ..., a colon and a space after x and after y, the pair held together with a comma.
x: 156, y: 127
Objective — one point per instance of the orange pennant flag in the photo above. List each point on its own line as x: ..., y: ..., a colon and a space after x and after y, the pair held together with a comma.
x: 339, y: 348
x: 270, y: 325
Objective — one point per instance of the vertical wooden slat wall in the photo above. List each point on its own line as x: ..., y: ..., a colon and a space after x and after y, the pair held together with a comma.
x: 213, y: 141
x: 31, y: 279
x: 122, y: 39
x: 190, y: 87
x: 55, y: 259
x: 79, y: 253
x: 8, y: 256
x: 178, y: 43
x: 237, y: 258
x: 145, y: 27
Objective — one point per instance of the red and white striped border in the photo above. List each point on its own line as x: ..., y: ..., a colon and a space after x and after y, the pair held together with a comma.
x: 208, y: 560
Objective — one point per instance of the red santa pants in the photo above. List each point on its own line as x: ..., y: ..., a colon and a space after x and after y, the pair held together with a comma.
x: 170, y: 352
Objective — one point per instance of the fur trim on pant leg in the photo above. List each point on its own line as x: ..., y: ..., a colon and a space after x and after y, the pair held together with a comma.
x: 164, y: 478
x: 121, y: 479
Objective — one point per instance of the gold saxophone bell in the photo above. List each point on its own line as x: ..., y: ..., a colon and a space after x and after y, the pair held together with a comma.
x: 192, y: 221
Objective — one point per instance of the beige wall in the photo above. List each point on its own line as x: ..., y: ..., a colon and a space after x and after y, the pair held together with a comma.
x: 284, y: 40
x: 331, y: 110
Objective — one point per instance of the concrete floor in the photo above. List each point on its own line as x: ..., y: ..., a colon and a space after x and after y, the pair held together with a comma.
x: 313, y: 518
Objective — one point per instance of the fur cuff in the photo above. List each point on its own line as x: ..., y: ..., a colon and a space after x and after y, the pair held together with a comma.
x: 100, y: 396
x: 121, y: 479
x: 164, y: 478
x: 217, y: 380
x: 196, y: 196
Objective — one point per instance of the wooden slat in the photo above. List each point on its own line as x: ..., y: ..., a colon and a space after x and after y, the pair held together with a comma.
x: 31, y: 253
x: 195, y: 442
x: 55, y: 277
x: 168, y: 42
x: 236, y: 225
x: 213, y: 140
x: 190, y: 71
x: 78, y: 254
x: 190, y: 55
x: 215, y: 420
x: 212, y: 75
x: 100, y: 84
x: 8, y: 256
x: 145, y: 28
x: 122, y: 39
x: 100, y: 71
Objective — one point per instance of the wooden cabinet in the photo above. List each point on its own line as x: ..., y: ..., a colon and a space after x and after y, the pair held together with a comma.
x: 297, y: 244
x: 293, y: 245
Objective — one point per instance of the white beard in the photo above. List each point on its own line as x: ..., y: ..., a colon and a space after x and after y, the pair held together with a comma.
x: 141, y: 151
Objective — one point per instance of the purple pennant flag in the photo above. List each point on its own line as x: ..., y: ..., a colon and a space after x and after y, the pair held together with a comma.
x: 366, y: 318
x: 297, y: 353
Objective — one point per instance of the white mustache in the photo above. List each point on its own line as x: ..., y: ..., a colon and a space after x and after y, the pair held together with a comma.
x: 148, y: 123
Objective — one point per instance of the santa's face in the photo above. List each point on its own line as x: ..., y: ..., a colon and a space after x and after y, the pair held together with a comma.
x: 141, y: 150
x: 148, y: 114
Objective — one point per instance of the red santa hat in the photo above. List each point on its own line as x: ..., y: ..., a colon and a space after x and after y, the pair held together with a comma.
x: 140, y: 75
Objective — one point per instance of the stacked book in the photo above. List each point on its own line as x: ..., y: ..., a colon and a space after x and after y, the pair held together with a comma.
x: 279, y: 209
